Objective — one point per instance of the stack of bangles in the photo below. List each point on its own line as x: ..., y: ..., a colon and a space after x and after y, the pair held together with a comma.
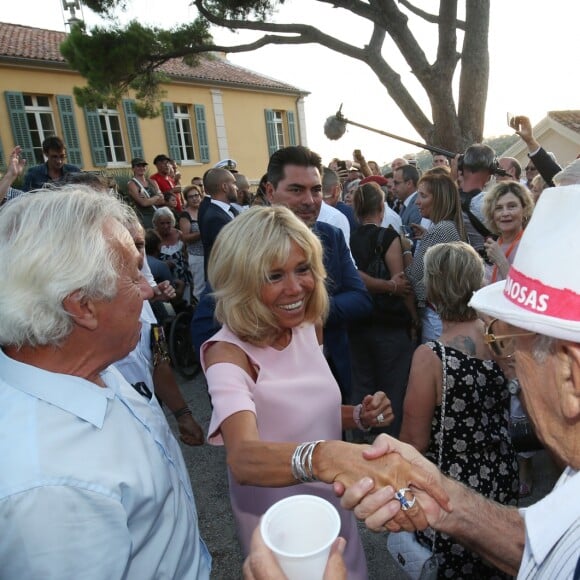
x: 301, y: 463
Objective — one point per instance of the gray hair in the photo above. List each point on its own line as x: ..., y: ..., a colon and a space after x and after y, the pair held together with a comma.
x: 570, y: 175
x: 543, y: 346
x: 161, y: 213
x: 51, y: 245
x: 479, y: 157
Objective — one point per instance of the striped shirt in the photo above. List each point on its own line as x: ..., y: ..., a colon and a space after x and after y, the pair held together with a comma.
x: 553, y: 532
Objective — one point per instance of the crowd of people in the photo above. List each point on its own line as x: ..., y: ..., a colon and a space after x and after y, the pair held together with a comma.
x: 333, y: 307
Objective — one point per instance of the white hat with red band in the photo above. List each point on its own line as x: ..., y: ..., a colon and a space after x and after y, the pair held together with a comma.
x: 542, y: 290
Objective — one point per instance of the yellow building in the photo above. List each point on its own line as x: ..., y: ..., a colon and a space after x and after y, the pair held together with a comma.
x: 210, y: 112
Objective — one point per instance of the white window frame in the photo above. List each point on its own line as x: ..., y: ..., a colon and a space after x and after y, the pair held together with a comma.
x: 108, y: 136
x: 36, y: 112
x: 279, y: 128
x: 184, y: 126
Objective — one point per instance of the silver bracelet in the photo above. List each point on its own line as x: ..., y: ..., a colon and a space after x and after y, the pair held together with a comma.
x: 301, y: 463
x: 356, y: 418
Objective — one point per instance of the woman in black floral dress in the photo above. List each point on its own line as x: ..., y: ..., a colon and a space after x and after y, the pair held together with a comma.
x: 476, y: 447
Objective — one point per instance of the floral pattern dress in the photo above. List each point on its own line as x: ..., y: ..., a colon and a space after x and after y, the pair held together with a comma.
x: 476, y: 448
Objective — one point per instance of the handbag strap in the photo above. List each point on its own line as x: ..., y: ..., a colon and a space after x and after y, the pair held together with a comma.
x: 443, y: 401
x: 442, y: 421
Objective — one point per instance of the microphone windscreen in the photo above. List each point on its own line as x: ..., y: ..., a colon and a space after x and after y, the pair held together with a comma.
x: 334, y: 128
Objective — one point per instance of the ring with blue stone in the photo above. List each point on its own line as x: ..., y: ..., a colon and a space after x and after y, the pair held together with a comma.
x: 406, y: 504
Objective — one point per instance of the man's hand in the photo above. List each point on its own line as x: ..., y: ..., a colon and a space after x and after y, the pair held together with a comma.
x: 261, y: 564
x: 404, y: 467
x: 16, y: 164
x: 523, y: 127
x: 404, y: 287
x: 164, y: 292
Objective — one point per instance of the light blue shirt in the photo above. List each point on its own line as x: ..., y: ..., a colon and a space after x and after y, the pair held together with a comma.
x: 92, y: 482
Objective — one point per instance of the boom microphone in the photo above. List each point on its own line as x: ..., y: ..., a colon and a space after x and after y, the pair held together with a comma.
x: 335, y: 127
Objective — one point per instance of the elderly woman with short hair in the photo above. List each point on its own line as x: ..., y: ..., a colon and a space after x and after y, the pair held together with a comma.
x: 270, y: 384
x: 507, y: 208
x: 456, y: 409
x: 173, y: 248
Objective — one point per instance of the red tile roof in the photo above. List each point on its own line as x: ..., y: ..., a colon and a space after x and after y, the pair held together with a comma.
x: 570, y: 119
x: 37, y: 44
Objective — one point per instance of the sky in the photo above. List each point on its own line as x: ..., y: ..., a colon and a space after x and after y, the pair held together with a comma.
x: 531, y: 47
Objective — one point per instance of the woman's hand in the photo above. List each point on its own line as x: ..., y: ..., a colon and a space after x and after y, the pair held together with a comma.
x: 418, y: 231
x: 493, y: 250
x: 496, y: 256
x: 376, y: 410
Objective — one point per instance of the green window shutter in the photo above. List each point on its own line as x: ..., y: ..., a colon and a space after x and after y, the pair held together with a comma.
x: 291, y: 127
x: 69, y: 129
x: 98, y: 152
x: 171, y: 131
x: 201, y: 127
x: 133, y: 129
x: 271, y: 131
x: 19, y: 123
x: 2, y: 157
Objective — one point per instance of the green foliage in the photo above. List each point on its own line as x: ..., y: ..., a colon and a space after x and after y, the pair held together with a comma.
x: 501, y: 143
x: 240, y: 9
x: 116, y: 60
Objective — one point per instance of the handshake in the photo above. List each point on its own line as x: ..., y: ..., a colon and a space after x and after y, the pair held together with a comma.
x: 399, y: 490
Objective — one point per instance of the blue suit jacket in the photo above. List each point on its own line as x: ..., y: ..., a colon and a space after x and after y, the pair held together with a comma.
x: 349, y: 301
x: 212, y: 219
x: 411, y: 214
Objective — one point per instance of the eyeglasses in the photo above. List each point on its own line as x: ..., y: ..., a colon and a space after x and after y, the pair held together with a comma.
x: 502, y: 345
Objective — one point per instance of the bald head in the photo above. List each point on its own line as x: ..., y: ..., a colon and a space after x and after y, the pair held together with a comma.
x: 398, y: 162
x: 220, y: 184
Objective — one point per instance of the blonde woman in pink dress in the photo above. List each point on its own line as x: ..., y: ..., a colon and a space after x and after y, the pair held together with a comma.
x: 270, y: 385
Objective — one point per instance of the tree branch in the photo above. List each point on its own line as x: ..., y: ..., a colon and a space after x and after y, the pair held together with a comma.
x: 432, y: 18
x: 361, y: 9
x: 306, y: 34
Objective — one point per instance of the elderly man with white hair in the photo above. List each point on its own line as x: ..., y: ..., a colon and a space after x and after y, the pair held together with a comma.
x: 92, y: 482
x: 536, y: 320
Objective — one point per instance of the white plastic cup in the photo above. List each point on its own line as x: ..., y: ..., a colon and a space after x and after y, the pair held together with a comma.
x: 300, y: 531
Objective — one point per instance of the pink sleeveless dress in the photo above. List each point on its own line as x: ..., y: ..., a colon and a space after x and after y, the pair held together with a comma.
x: 295, y: 398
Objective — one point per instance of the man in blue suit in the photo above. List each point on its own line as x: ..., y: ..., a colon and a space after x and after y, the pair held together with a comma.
x: 405, y: 181
x: 216, y: 211
x: 294, y: 181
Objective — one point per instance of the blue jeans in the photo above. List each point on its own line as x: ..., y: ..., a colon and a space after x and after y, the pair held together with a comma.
x: 432, y: 326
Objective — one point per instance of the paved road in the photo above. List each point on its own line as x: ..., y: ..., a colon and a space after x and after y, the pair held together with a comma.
x: 207, y: 470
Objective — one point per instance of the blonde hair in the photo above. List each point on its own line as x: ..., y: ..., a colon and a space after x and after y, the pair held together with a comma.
x: 499, y: 190
x: 453, y: 272
x: 245, y: 252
